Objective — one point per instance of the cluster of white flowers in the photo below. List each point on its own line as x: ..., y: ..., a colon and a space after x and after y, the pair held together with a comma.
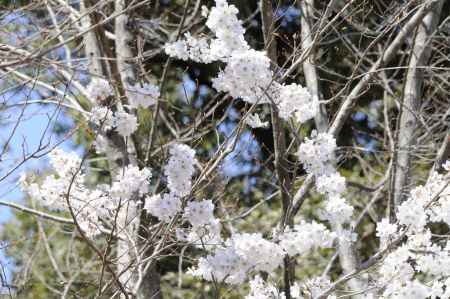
x: 259, y: 289
x: 240, y: 255
x: 66, y: 189
x: 331, y: 183
x: 129, y: 181
x: 228, y: 32
x: 227, y: 28
x: 66, y: 163
x: 317, y: 153
x: 190, y: 48
x: 99, y: 89
x: 223, y: 265
x: 419, y: 267
x: 296, y: 100
x: 180, y: 168
x: 386, y: 232
x: 205, y: 228
x: 199, y: 213
x: 311, y: 288
x: 179, y: 171
x: 102, y: 117
x: 247, y: 74
x: 163, y: 207
x: 306, y: 237
x: 123, y: 122
x: 337, y: 210
x: 142, y: 96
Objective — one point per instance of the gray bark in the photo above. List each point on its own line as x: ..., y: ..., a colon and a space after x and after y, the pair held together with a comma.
x: 123, y: 51
x: 91, y: 46
x: 412, y: 95
x: 309, y: 68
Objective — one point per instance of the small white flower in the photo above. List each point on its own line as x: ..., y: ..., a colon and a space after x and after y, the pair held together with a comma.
x: 125, y: 123
x: 254, y: 121
x: 99, y: 89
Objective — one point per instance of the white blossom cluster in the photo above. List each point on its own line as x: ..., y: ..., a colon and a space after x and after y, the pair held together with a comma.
x: 260, y: 289
x: 190, y: 48
x: 99, y: 89
x: 123, y: 122
x: 227, y: 28
x: 66, y: 190
x: 240, y: 255
x: 419, y: 267
x: 247, y: 76
x: 142, y: 96
x: 164, y: 207
x: 317, y: 155
x: 306, y: 237
x: 296, y: 100
x: 102, y: 117
x: 312, y: 288
x: 247, y: 73
x: 180, y: 168
x: 229, y: 37
x: 179, y: 171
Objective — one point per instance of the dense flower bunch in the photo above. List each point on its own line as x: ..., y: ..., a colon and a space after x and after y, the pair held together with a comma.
x: 260, y: 289
x: 99, y: 89
x: 164, y: 207
x: 196, y: 49
x: 296, y: 100
x: 180, y: 168
x: 123, y: 122
x: 142, y: 96
x: 306, y: 237
x: 317, y: 154
x: 204, y: 228
x: 247, y: 74
x: 419, y: 267
x: 240, y: 255
x: 179, y: 171
x: 66, y: 190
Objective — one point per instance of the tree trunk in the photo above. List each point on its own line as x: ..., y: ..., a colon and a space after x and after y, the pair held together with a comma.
x: 407, y: 131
